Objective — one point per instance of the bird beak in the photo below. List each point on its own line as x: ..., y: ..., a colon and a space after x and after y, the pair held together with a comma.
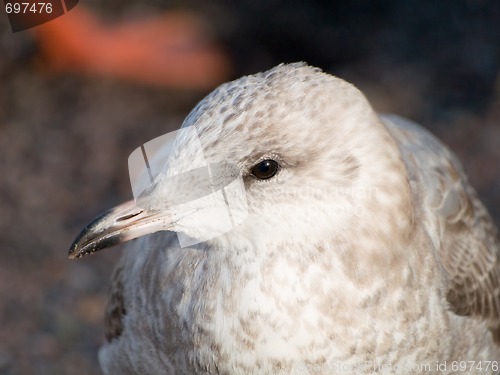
x: 120, y: 224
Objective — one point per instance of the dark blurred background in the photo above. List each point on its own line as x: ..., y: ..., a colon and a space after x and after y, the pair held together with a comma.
x: 65, y: 136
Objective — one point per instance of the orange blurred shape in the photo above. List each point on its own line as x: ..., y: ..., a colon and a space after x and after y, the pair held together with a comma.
x: 168, y: 50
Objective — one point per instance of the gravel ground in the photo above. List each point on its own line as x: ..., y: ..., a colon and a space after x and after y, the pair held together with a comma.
x: 65, y: 139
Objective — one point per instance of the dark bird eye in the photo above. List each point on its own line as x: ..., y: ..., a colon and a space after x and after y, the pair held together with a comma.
x: 265, y: 169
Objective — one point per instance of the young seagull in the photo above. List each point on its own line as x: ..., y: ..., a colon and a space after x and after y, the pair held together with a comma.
x: 364, y: 248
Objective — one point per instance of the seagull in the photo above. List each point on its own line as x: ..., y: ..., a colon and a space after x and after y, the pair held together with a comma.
x: 364, y: 248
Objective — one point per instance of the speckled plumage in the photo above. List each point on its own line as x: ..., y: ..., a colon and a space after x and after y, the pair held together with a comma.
x: 368, y: 249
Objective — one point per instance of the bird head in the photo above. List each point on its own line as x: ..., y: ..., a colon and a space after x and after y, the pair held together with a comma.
x: 289, y: 151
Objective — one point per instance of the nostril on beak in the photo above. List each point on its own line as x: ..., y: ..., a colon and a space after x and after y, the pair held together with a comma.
x: 129, y: 216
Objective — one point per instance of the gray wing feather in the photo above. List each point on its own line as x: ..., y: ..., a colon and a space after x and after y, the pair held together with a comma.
x: 463, y: 233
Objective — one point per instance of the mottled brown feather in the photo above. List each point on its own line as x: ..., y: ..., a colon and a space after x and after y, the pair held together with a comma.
x: 115, y: 309
x: 466, y: 237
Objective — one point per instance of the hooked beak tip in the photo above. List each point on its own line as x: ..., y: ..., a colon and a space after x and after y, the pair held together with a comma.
x: 120, y: 224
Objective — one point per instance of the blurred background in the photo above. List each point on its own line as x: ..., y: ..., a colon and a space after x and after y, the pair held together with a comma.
x: 80, y: 93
